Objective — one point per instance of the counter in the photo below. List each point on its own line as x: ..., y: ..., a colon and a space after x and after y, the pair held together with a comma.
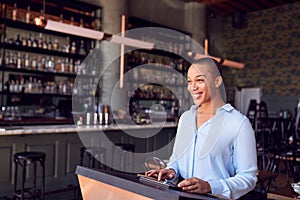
x: 51, y: 129
x: 62, y: 144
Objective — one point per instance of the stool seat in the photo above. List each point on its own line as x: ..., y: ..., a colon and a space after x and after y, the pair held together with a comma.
x: 126, y: 146
x: 30, y: 156
x: 24, y: 159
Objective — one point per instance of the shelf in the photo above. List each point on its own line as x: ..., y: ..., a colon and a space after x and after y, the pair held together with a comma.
x: 154, y: 66
x: 144, y: 82
x: 152, y: 99
x: 161, y: 53
x: 37, y: 121
x: 68, y: 8
x: 53, y: 83
x: 35, y: 94
x: 40, y: 51
x: 28, y: 71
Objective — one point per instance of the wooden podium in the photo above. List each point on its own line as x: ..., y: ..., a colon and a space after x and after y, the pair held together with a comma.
x: 107, y: 185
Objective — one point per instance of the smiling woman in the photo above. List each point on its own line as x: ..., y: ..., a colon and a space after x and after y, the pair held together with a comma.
x: 215, y: 148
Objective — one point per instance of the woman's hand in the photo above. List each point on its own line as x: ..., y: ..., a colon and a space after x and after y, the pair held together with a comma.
x: 195, y: 185
x: 161, y: 174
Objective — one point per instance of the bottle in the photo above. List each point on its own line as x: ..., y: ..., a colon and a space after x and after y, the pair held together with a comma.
x: 29, y: 86
x: 11, y: 59
x: 45, y: 43
x: 81, y: 23
x: 48, y: 63
x: 27, y: 18
x: 63, y: 65
x: 35, y: 42
x: 39, y: 63
x: 81, y: 49
x: 29, y: 40
x: 61, y: 18
x: 40, y: 41
x: 15, y: 59
x: 19, y: 61
x: 18, y: 40
x: 73, y: 47
x: 58, y: 65
x: 56, y: 45
x: 24, y: 40
x: 72, y: 21
x: 34, y: 63
x: 71, y: 66
x: 50, y: 43
x: 14, y: 12
x: 67, y: 46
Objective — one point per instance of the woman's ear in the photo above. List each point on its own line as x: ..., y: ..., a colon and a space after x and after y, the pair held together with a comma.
x: 218, y: 81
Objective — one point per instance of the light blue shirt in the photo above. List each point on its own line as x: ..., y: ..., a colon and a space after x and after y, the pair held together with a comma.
x: 222, y: 151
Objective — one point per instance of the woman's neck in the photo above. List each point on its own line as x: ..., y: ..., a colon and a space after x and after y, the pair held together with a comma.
x: 210, y: 107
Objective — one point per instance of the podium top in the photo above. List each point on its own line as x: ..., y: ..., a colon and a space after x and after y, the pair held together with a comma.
x: 129, y: 182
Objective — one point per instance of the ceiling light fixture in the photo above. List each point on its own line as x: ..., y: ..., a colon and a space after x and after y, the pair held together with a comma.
x: 222, y: 61
x: 96, y: 35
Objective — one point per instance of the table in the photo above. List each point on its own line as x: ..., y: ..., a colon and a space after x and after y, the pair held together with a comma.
x: 285, y: 193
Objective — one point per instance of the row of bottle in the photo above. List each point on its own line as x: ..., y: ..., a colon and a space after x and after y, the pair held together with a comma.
x: 30, y: 16
x: 156, y: 111
x: 35, y: 86
x: 152, y: 92
x: 138, y: 58
x: 15, y: 59
x: 10, y: 113
x: 177, y: 46
x: 43, y: 42
x: 28, y: 61
x: 85, y: 86
x: 100, y: 116
x: 157, y: 76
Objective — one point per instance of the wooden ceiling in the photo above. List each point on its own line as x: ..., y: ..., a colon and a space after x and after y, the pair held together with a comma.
x: 231, y: 7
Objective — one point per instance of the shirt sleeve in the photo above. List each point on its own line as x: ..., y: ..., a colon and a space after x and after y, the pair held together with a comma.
x: 245, y: 164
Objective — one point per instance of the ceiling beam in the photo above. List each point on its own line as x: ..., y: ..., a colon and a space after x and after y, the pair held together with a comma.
x: 280, y: 2
x: 227, y: 7
x: 254, y: 6
x: 268, y: 3
x: 238, y: 5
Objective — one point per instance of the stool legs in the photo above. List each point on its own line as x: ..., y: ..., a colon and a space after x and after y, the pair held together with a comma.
x: 23, y: 160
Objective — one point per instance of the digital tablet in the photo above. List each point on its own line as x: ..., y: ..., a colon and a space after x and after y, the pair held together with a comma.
x: 153, y: 182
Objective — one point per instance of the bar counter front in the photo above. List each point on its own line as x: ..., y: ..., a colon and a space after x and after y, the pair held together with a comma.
x: 62, y: 145
x: 96, y: 183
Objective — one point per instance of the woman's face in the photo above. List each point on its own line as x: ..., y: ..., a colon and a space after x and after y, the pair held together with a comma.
x: 200, y: 84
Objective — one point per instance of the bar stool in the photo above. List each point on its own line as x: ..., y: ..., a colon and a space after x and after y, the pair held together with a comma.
x: 94, y: 155
x: 124, y: 147
x: 24, y: 159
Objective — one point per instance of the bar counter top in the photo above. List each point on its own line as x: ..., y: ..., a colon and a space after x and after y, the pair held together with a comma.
x: 46, y: 129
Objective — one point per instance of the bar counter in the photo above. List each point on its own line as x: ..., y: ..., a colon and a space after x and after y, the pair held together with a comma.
x: 62, y: 144
x: 51, y: 129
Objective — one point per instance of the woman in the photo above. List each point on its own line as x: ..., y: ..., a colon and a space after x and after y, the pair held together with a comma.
x: 215, y: 148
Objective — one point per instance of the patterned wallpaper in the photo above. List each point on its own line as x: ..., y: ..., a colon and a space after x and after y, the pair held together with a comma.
x: 269, y: 45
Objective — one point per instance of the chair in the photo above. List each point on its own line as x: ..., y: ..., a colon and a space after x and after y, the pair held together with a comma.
x: 123, y: 149
x: 295, y: 164
x: 154, y: 163
x: 265, y: 177
x: 93, y: 155
x: 259, y: 118
x: 24, y: 159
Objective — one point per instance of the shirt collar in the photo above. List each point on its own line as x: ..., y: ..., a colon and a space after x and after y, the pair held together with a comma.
x: 227, y: 107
